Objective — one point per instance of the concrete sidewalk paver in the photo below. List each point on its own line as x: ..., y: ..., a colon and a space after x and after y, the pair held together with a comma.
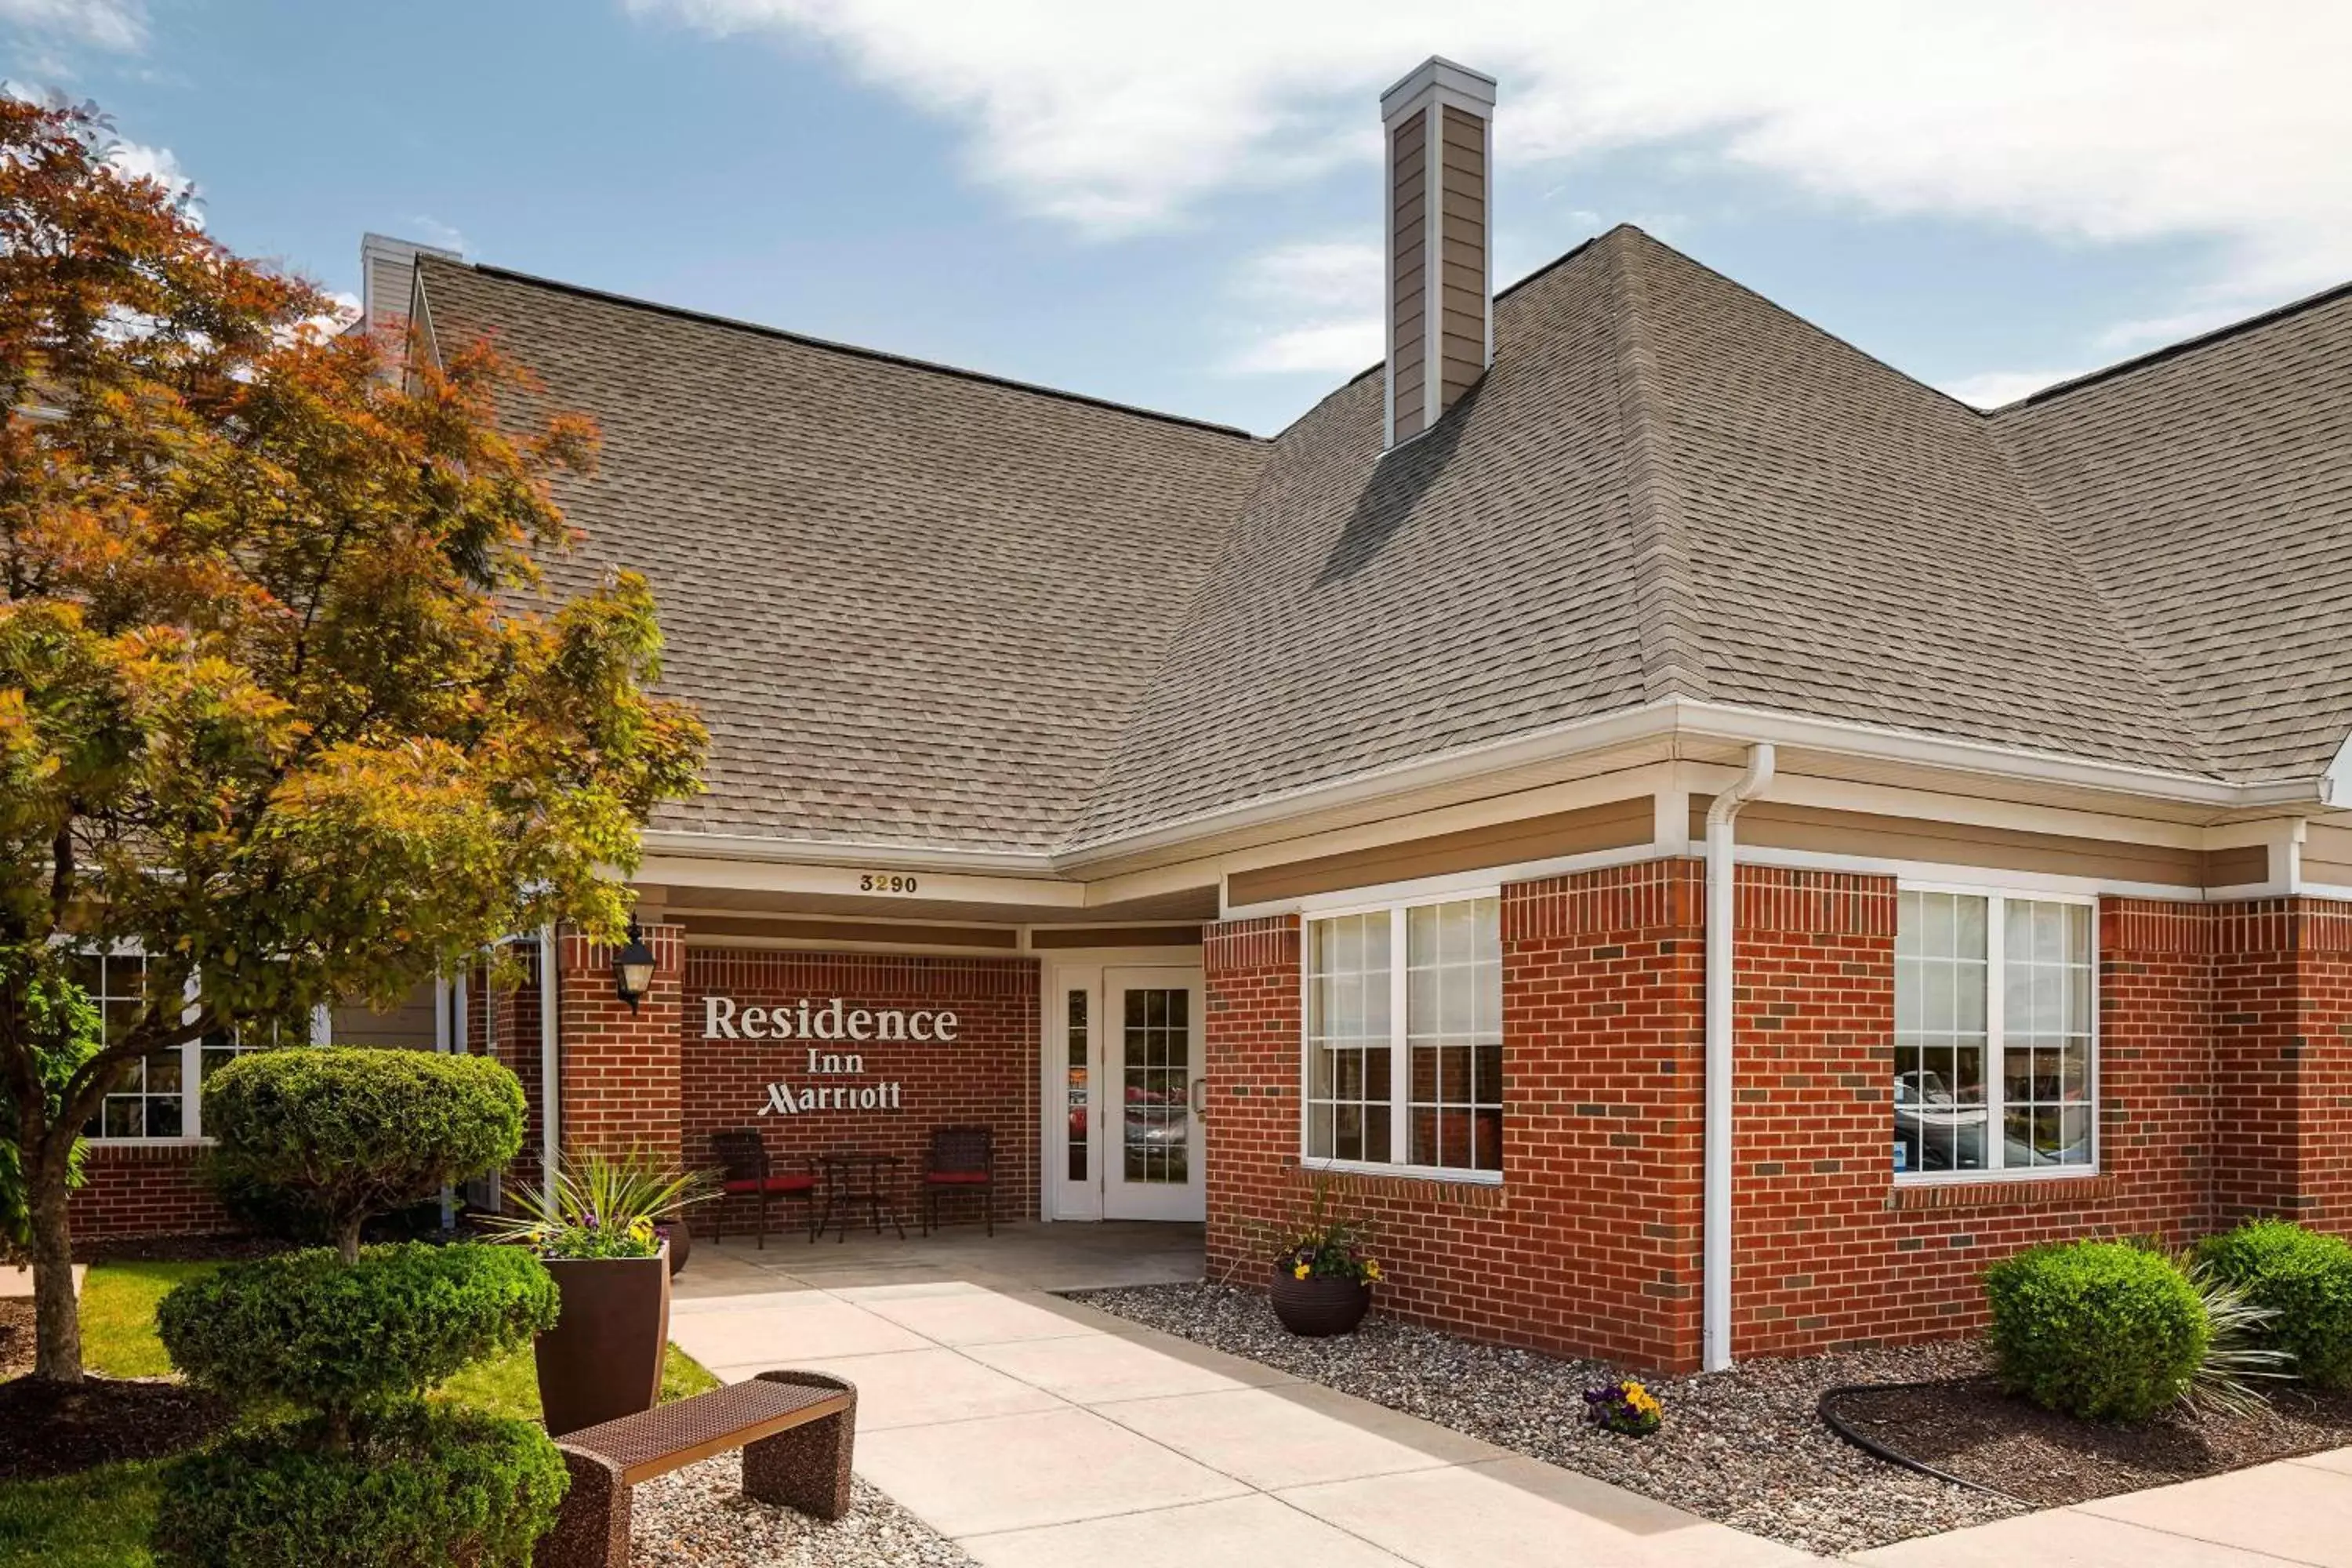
x: 1015, y: 1472
x: 1278, y: 1437
x: 797, y: 1328
x: 2301, y: 1512
x: 919, y: 1388
x: 1101, y: 1369
x: 1519, y: 1510
x: 1236, y: 1533
x: 981, y: 1317
x: 2063, y: 1538
x: 2337, y: 1459
x: 17, y: 1279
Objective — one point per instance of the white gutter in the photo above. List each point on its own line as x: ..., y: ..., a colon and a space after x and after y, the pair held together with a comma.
x: 1722, y: 861
x: 551, y: 1081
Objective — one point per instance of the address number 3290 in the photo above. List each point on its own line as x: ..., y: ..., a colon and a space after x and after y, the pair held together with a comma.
x: 885, y: 882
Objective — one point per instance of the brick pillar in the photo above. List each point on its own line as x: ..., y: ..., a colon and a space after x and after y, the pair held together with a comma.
x: 620, y: 1069
x: 1813, y: 1018
x: 1250, y: 971
x: 2156, y: 1063
x: 2283, y: 1060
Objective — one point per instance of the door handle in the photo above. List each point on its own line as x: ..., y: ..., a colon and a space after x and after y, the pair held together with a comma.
x: 1200, y: 1097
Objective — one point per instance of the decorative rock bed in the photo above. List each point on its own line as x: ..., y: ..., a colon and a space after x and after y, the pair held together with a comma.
x: 1746, y: 1447
x: 699, y: 1517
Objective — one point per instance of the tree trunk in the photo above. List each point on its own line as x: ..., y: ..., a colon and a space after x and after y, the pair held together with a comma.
x: 57, y: 1353
x: 347, y: 1243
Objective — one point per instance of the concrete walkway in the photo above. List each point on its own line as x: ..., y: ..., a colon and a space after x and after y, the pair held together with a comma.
x: 1040, y: 1434
x: 2292, y: 1512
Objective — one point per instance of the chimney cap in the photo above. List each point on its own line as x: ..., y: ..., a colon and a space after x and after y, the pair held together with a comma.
x: 1437, y: 71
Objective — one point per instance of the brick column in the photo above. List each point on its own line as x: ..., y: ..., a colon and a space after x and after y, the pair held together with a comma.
x: 1250, y: 969
x: 620, y: 1069
x: 1813, y: 1018
x: 2283, y: 1060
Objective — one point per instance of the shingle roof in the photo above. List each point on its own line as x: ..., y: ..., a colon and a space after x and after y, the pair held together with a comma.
x: 920, y: 605
x: 911, y: 604
x: 2208, y: 492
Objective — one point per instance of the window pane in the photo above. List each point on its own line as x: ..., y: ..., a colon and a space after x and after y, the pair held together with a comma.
x: 1348, y: 1036
x: 1940, y: 1105
x: 1453, y: 1037
x: 2046, y: 1048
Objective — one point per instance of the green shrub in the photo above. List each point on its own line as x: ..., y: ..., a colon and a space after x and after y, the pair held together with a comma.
x: 335, y: 1134
x: 423, y: 1486
x: 2306, y: 1279
x: 307, y: 1330
x: 2101, y: 1330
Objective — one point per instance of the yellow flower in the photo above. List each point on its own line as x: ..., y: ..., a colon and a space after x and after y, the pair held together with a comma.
x: 1298, y: 1272
x: 1372, y: 1268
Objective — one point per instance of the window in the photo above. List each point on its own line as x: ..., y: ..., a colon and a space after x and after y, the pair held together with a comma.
x: 1405, y: 1038
x: 154, y: 1102
x: 1994, y: 1061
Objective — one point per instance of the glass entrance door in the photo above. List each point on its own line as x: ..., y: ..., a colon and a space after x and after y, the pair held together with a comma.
x: 1148, y: 1096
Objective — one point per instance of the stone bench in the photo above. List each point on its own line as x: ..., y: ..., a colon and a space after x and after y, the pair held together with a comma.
x: 795, y: 1429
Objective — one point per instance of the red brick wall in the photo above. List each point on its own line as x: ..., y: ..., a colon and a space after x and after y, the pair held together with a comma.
x: 514, y: 1041
x: 619, y: 1068
x: 132, y: 1191
x: 986, y: 1077
x: 2283, y: 1043
x: 1590, y: 1245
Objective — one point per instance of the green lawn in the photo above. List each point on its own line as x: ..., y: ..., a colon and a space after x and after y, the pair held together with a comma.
x: 100, y: 1518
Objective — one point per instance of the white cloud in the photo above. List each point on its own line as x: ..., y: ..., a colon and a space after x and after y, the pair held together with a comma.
x: 2165, y: 120
x: 1314, y: 306
x: 137, y: 160
x: 436, y: 232
x: 119, y: 25
x: 1994, y: 388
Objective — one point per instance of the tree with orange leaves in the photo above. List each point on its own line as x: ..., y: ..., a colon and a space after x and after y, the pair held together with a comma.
x: 286, y: 716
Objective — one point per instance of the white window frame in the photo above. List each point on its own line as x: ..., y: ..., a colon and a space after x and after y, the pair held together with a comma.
x: 1997, y: 898
x: 1400, y: 1066
x: 192, y: 1062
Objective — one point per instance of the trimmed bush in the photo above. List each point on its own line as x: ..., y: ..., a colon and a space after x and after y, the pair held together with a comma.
x: 2304, y: 1277
x: 2101, y: 1330
x: 422, y: 1486
x: 309, y: 1330
x: 326, y: 1137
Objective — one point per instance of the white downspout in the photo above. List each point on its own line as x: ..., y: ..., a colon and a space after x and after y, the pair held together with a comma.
x: 1715, y: 1314
x: 550, y: 1080
x: 441, y: 1036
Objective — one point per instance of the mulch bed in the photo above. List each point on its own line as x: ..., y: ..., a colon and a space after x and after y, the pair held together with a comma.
x: 53, y: 1429
x: 1968, y: 1427
x: 16, y: 1335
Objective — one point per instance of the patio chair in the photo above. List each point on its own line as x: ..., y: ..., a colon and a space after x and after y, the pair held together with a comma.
x: 962, y: 1160
x: 745, y: 1170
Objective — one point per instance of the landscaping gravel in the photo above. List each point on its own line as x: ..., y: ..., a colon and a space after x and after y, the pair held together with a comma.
x: 1745, y: 1447
x: 699, y: 1517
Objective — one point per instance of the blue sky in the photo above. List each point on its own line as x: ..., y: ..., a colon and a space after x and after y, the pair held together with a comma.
x: 1176, y: 206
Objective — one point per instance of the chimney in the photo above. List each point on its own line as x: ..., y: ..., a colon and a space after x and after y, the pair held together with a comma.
x: 387, y: 279
x: 1441, y: 285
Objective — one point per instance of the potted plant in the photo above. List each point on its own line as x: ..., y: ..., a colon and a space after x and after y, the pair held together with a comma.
x: 1323, y: 1272
x: 596, y: 1226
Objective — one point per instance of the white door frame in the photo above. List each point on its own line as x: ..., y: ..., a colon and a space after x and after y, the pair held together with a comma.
x: 1067, y: 970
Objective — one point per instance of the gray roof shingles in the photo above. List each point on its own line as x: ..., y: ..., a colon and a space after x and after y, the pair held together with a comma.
x: 922, y: 606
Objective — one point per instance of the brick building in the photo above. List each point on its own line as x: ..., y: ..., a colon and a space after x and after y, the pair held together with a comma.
x: 1705, y: 838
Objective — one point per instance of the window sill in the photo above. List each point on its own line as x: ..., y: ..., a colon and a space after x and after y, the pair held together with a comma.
x: 156, y: 1144
x: 1477, y: 1188
x: 1980, y: 1190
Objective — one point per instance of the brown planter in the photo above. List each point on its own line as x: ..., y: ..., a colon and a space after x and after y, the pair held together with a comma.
x: 680, y: 1242
x: 602, y: 1359
x: 1316, y: 1308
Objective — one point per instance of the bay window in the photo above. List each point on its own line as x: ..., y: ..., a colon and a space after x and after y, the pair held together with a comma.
x: 1995, y: 1061
x: 1404, y: 1038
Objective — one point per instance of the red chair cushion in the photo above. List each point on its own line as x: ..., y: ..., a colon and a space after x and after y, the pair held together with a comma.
x: 774, y: 1184
x: 958, y: 1178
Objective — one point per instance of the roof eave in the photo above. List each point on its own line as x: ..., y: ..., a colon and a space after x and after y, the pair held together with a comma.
x: 1681, y: 717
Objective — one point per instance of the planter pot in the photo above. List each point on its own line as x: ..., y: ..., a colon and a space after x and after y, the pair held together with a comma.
x: 1316, y: 1308
x: 602, y: 1359
x: 680, y: 1242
